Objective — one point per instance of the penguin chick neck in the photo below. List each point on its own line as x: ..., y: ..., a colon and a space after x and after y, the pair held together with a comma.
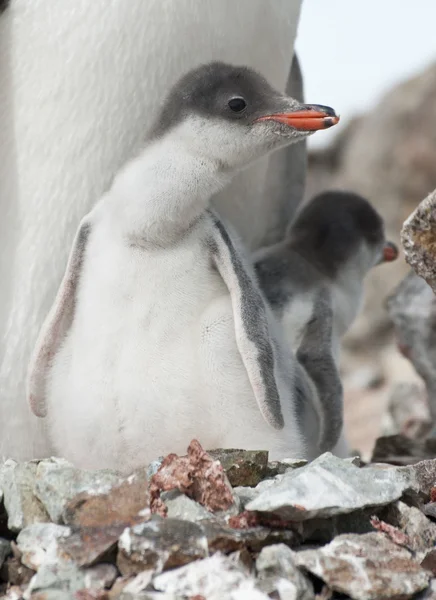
x: 162, y: 192
x: 216, y: 120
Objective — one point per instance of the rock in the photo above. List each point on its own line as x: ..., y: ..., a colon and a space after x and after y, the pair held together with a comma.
x: 5, y: 550
x: 423, y: 477
x: 420, y: 531
x: 429, y: 593
x: 89, y: 545
x: 58, y: 482
x: 34, y: 540
x: 407, y: 411
x: 15, y: 573
x: 278, y: 575
x: 160, y: 544
x: 64, y: 577
x: 100, y: 576
x: 429, y: 509
x: 412, y: 309
x: 179, y: 506
x: 139, y: 583
x: 197, y: 475
x: 401, y: 450
x: 419, y: 240
x: 366, y: 567
x: 330, y: 486
x: 279, y: 467
x: 214, y: 578
x: 228, y: 539
x: 429, y: 562
x: 125, y: 503
x: 242, y: 467
x: 17, y: 482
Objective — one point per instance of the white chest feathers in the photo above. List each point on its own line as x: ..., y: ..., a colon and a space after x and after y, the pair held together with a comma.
x: 151, y: 359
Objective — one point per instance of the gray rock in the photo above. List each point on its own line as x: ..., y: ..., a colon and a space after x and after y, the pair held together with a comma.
x: 247, y: 494
x: 5, y: 550
x: 278, y: 574
x: 429, y: 593
x: 34, y: 540
x: 412, y: 309
x: 181, y: 507
x: 160, y: 544
x: 330, y: 486
x: 422, y: 475
x: 57, y: 482
x: 242, y: 467
x: 407, y: 411
x: 365, y: 567
x: 57, y: 575
x: 419, y: 240
x: 154, y: 467
x: 279, y: 467
x: 401, y: 450
x: 226, y: 539
x: 17, y: 483
x: 214, y: 578
x: 100, y: 576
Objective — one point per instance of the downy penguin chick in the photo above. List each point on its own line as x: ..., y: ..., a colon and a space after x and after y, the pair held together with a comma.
x: 159, y: 333
x: 313, y: 281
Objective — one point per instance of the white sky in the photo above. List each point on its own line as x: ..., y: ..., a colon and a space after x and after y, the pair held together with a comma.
x: 352, y: 51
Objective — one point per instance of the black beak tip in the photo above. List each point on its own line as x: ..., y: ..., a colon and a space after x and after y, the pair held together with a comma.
x: 329, y: 122
x: 329, y: 112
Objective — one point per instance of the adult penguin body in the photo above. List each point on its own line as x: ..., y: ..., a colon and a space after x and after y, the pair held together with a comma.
x: 80, y: 82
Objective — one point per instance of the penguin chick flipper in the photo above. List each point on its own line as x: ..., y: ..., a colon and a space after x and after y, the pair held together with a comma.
x: 315, y: 354
x: 57, y: 323
x: 253, y: 337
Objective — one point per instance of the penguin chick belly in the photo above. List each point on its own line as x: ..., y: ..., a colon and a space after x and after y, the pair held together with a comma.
x: 235, y: 418
x: 150, y: 360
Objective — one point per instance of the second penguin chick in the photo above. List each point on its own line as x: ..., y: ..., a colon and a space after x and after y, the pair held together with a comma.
x: 313, y: 280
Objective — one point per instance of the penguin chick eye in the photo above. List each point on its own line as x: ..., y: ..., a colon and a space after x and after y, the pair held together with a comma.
x: 237, y: 104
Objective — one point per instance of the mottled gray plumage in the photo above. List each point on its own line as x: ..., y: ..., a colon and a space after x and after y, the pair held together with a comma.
x: 331, y: 244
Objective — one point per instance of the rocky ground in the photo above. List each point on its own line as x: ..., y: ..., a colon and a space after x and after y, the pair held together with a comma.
x: 229, y: 524
x: 222, y: 525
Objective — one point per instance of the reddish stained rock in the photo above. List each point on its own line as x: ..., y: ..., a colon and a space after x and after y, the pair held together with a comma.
x: 100, y: 519
x: 249, y: 519
x: 433, y: 494
x: 125, y: 504
x: 88, y: 545
x: 197, y: 475
x: 245, y: 520
x: 397, y: 536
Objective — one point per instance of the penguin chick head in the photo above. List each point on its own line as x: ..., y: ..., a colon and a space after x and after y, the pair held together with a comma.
x: 231, y: 115
x: 341, y: 232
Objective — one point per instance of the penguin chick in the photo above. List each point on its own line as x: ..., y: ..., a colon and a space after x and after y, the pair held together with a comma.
x: 313, y: 281
x: 159, y: 332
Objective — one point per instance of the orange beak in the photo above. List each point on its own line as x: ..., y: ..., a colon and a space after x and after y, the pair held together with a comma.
x: 390, y: 252
x: 311, y: 118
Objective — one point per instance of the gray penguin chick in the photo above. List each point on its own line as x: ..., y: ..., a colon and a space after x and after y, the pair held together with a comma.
x: 313, y: 281
x: 159, y: 332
